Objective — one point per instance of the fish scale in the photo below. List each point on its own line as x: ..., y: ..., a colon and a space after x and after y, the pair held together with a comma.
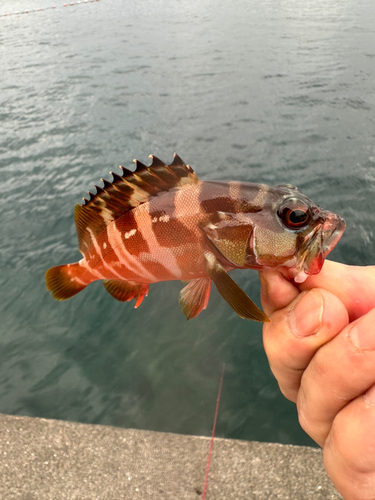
x: 162, y: 223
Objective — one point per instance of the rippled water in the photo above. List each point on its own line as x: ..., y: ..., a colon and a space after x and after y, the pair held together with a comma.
x: 267, y: 91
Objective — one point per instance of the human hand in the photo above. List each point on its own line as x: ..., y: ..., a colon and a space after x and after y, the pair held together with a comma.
x: 320, y: 344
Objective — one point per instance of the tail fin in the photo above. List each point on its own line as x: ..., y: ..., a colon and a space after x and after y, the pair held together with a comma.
x: 62, y: 281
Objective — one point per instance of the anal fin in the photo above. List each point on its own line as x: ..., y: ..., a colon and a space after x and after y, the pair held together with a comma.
x: 194, y: 297
x: 127, y: 290
x: 239, y: 301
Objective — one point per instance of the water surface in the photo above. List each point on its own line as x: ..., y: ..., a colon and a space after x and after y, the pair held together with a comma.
x: 273, y: 92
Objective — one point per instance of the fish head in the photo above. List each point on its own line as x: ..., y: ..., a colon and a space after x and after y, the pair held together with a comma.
x: 292, y: 232
x: 271, y: 228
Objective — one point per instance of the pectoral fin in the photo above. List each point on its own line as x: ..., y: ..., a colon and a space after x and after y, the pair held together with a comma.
x: 231, y: 292
x: 194, y: 297
x: 126, y: 290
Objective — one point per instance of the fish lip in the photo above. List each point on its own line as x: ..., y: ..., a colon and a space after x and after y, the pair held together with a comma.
x: 332, y: 230
x: 318, y: 245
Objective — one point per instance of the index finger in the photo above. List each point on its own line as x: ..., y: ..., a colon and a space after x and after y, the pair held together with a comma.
x: 353, y: 285
x: 276, y: 291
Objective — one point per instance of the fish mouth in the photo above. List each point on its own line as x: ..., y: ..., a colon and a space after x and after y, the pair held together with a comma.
x: 317, y: 246
x: 332, y: 230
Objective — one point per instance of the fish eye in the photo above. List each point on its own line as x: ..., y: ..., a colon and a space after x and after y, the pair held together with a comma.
x: 294, y: 214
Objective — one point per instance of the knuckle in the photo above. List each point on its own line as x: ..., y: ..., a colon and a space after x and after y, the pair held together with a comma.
x: 316, y: 429
x: 288, y: 392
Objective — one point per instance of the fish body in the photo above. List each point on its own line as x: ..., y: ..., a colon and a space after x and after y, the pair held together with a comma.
x: 162, y: 223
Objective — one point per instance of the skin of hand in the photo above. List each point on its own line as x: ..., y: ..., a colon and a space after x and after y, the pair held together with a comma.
x: 320, y: 344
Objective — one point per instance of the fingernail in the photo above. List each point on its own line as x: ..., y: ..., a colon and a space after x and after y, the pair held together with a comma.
x: 369, y: 396
x: 305, y: 318
x: 362, y: 337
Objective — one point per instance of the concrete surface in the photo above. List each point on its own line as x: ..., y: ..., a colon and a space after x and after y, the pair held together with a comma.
x: 54, y: 460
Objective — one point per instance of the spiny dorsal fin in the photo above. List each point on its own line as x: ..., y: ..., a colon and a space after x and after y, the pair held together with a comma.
x: 127, y: 192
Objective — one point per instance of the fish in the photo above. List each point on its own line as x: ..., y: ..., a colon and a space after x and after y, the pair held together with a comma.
x: 161, y: 223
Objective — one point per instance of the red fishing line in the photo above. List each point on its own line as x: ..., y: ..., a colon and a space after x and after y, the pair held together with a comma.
x: 213, y: 433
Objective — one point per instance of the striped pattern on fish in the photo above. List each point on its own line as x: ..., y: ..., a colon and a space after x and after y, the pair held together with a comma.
x: 162, y: 223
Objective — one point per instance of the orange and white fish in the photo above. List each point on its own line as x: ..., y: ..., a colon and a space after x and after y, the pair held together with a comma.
x: 162, y: 223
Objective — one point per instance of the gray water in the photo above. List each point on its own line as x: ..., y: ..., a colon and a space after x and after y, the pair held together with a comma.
x: 271, y: 91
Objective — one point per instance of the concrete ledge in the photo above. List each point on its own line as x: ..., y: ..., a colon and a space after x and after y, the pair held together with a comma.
x: 54, y: 460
